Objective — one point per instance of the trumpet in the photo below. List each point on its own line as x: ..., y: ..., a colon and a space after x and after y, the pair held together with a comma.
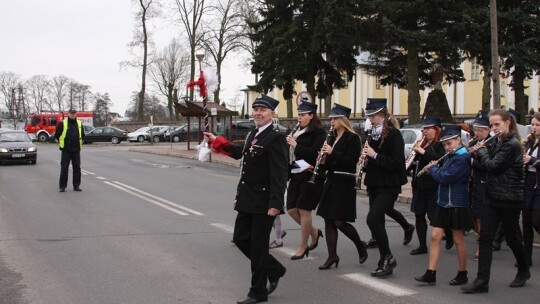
x: 362, y: 161
x: 410, y: 159
x: 321, y: 158
x: 437, y: 162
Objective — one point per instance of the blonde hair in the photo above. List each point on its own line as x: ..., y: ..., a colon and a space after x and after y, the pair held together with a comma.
x: 346, y: 123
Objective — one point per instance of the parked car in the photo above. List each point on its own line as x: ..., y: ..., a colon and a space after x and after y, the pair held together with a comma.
x: 157, y: 133
x: 138, y: 135
x: 106, y: 134
x: 16, y: 146
x: 410, y: 136
x: 181, y: 133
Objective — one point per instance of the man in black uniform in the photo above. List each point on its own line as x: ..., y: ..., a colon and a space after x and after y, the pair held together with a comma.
x: 259, y: 196
x: 70, y: 136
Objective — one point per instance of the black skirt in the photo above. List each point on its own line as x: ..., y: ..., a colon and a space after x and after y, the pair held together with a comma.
x: 452, y: 218
x: 301, y: 194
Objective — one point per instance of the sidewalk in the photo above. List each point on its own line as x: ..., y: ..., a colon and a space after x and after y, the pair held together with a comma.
x: 180, y: 150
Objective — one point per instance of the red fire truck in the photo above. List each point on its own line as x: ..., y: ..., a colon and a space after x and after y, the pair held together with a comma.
x: 44, y: 124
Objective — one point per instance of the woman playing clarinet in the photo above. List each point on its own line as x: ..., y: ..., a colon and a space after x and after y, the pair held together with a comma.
x: 302, y: 197
x: 385, y: 174
x: 338, y: 200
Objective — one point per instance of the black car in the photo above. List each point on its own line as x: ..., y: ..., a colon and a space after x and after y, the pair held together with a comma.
x: 181, y: 133
x: 16, y: 146
x: 105, y: 134
x: 161, y: 133
x: 86, y: 129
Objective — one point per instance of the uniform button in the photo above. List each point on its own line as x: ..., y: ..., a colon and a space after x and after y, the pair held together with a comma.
x: 244, y: 163
x: 264, y: 189
x: 243, y: 172
x: 243, y: 182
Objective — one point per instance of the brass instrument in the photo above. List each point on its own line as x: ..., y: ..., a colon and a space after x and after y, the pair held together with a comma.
x: 410, y: 159
x: 291, y: 150
x: 321, y: 158
x: 362, y: 161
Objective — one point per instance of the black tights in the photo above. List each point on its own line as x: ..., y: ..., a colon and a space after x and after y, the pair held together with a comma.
x: 331, y: 228
x: 531, y: 220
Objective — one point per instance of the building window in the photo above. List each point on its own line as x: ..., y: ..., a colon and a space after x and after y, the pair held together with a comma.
x: 475, y: 70
x: 377, y: 82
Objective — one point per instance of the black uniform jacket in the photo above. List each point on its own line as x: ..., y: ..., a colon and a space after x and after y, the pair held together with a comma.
x: 387, y: 170
x: 265, y: 169
x: 424, y: 182
x: 309, y: 144
x: 534, y: 161
x: 505, y: 178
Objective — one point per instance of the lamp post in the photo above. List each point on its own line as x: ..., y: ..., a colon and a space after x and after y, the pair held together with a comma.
x: 200, y: 57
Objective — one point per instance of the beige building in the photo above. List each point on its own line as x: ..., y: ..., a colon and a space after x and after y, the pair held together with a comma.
x: 464, y: 98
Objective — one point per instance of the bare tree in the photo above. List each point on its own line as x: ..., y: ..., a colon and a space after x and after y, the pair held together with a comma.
x: 191, y: 13
x: 225, y: 35
x: 148, y: 9
x: 58, y: 91
x: 38, y: 86
x: 249, y: 11
x: 10, y: 84
x: 169, y: 71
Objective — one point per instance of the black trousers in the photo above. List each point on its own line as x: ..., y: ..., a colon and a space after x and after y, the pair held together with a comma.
x: 75, y: 159
x: 251, y: 236
x: 381, y: 202
x: 509, y: 218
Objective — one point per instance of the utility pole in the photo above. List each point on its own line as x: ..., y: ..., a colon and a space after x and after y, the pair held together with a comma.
x: 495, y: 55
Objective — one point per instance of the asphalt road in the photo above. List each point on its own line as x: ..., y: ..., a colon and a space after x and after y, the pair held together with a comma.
x: 157, y: 229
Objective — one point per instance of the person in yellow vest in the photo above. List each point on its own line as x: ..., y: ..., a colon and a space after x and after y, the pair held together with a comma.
x: 70, y: 136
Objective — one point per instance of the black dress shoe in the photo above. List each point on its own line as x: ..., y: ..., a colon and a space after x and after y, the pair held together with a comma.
x: 386, y: 267
x: 249, y: 300
x: 77, y: 189
x: 273, y: 283
x: 478, y: 286
x: 408, y: 235
x: 430, y: 277
x: 372, y: 244
x: 449, y: 244
x: 521, y: 278
x: 418, y: 251
x: 299, y: 257
x: 460, y: 279
x: 329, y: 262
x: 362, y: 253
x: 62, y: 190
x: 319, y: 235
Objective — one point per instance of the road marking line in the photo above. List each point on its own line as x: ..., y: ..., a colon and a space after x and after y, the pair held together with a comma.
x: 102, y: 178
x: 160, y: 199
x: 288, y: 252
x: 147, y: 199
x: 87, y: 172
x: 223, y: 227
x: 379, y: 285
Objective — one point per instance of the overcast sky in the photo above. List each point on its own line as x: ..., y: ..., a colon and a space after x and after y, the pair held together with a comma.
x: 84, y: 40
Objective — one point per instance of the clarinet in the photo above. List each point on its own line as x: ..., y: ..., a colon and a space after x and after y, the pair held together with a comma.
x: 362, y: 161
x: 321, y: 157
x: 410, y: 159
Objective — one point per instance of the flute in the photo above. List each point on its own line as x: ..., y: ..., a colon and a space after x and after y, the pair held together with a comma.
x: 321, y: 157
x: 437, y: 162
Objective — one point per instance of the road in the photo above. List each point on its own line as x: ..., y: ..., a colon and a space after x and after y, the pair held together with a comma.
x: 157, y: 229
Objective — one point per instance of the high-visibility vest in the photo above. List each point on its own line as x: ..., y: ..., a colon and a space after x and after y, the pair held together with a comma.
x: 64, y: 131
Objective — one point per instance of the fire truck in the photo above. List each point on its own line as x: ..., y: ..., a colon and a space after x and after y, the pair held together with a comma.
x: 44, y: 124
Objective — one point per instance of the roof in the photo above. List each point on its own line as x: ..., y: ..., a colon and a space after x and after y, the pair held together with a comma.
x: 191, y: 109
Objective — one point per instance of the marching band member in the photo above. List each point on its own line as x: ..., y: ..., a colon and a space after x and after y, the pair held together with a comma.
x: 385, y: 174
x: 260, y: 195
x: 531, y: 208
x: 424, y: 188
x: 452, y: 208
x: 478, y: 185
x: 338, y: 200
x: 504, y: 199
x: 302, y: 196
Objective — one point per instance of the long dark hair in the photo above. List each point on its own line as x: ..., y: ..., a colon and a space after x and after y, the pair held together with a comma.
x: 531, y: 139
x: 314, y: 123
x: 505, y: 116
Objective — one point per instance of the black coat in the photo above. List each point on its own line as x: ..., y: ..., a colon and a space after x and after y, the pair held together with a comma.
x: 71, y: 142
x: 265, y: 169
x: 338, y: 200
x: 309, y: 144
x: 425, y: 182
x: 505, y: 178
x: 387, y: 170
